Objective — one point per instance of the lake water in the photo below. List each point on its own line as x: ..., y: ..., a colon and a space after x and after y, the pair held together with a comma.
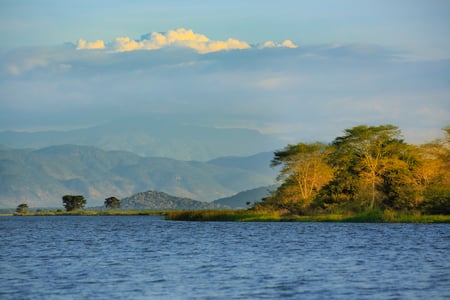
x: 143, y: 257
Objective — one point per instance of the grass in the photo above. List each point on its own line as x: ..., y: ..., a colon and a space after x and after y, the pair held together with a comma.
x: 93, y: 213
x: 222, y: 215
x: 371, y: 216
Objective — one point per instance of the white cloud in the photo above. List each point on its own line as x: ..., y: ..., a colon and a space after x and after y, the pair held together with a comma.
x: 284, y: 44
x: 85, y: 45
x: 288, y: 93
x: 180, y: 37
x: 123, y: 44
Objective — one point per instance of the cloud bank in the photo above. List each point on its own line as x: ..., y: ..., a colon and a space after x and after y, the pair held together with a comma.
x: 306, y: 93
x: 181, y: 37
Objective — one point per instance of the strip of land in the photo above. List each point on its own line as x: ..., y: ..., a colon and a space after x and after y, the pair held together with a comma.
x: 374, y: 216
x: 370, y: 216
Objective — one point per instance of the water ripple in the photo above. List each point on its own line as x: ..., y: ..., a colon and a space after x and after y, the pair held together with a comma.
x: 141, y: 257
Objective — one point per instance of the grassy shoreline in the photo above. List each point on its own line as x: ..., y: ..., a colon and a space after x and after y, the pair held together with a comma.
x: 90, y: 213
x: 254, y: 216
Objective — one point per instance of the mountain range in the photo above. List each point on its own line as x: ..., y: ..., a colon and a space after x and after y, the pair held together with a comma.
x: 154, y: 200
x: 41, y: 177
x: 168, y: 137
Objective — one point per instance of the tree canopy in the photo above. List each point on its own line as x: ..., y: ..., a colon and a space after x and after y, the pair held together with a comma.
x: 367, y: 167
x: 304, y: 171
x: 22, y: 208
x: 112, y: 202
x: 73, y: 202
x: 368, y: 151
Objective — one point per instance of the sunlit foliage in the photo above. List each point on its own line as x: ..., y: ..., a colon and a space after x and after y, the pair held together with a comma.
x: 304, y: 171
x: 369, y: 167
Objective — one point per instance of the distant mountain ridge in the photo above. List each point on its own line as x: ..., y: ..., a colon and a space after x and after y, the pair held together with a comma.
x: 41, y: 177
x: 153, y: 136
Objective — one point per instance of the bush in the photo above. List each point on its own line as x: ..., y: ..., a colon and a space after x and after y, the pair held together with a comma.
x: 437, y: 201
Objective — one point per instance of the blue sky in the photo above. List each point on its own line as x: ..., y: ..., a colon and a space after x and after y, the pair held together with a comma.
x: 353, y: 62
x: 417, y: 26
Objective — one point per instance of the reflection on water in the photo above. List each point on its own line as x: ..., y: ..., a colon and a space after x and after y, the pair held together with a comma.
x: 142, y: 257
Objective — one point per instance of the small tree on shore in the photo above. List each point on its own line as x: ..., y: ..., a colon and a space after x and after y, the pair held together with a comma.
x: 112, y: 202
x: 22, y: 208
x: 73, y: 202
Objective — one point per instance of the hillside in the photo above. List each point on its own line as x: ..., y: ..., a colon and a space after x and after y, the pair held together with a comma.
x: 41, y: 177
x: 241, y: 199
x: 162, y: 201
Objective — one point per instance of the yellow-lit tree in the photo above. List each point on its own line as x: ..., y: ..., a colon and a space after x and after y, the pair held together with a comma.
x: 368, y: 151
x: 304, y: 171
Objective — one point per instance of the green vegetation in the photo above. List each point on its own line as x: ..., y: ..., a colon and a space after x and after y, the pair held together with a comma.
x: 21, y: 208
x: 112, y: 202
x: 222, y: 215
x: 73, y: 202
x: 363, y: 173
x: 369, y: 216
x: 253, y: 216
x: 367, y: 175
x: 153, y: 200
x: 60, y: 212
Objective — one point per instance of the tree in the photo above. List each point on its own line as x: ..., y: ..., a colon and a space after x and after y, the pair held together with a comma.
x: 73, y: 202
x: 367, y: 151
x: 341, y: 191
x: 434, y: 175
x: 399, y: 187
x: 22, y: 208
x: 112, y: 202
x: 367, y: 166
x: 304, y: 171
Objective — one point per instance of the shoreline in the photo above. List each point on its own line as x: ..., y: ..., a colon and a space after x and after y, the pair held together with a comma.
x: 254, y: 216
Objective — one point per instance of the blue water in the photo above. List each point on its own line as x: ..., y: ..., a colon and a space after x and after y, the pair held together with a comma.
x: 142, y: 257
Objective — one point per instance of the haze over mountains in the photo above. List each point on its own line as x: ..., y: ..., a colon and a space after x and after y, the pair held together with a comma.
x: 246, y: 198
x: 41, y: 177
x: 152, y: 136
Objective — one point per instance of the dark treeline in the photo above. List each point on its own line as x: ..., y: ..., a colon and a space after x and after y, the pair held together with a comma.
x: 369, y: 167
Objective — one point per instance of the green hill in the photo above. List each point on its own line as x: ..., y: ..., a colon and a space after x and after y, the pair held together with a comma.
x: 161, y: 201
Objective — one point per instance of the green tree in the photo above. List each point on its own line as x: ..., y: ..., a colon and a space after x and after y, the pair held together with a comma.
x: 434, y: 175
x: 112, y: 202
x: 22, y: 208
x: 342, y: 191
x: 73, y: 202
x: 304, y: 171
x: 367, y: 151
x: 437, y: 199
x: 399, y: 187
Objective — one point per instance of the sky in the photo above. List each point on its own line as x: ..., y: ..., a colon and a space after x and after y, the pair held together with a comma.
x: 298, y: 70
